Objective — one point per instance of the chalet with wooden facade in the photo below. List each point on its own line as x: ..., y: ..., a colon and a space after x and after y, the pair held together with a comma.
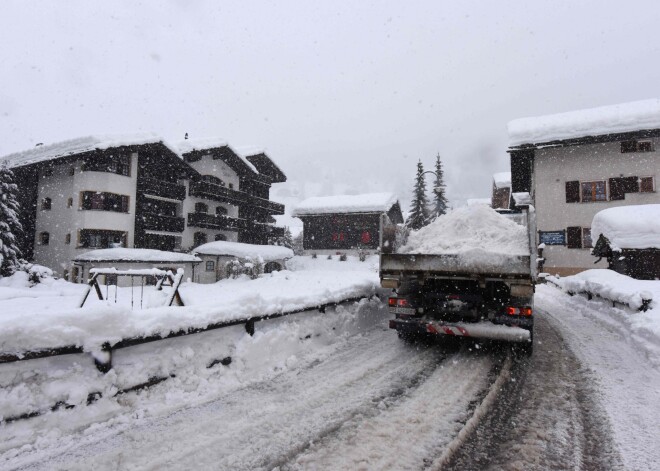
x: 349, y: 223
x: 139, y: 192
x: 576, y: 164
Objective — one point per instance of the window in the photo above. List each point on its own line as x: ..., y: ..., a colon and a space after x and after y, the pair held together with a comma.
x: 210, y: 265
x: 231, y: 186
x: 221, y: 211
x: 220, y: 237
x: 69, y: 202
x: 573, y: 192
x: 99, y: 201
x: 586, y: 238
x: 72, y: 171
x: 646, y: 185
x: 67, y: 239
x: 620, y: 186
x: 199, y: 238
x: 574, y: 237
x: 44, y: 238
x: 46, y: 204
x: 594, y: 191
x: 102, y: 239
x: 637, y: 146
x: 201, y: 208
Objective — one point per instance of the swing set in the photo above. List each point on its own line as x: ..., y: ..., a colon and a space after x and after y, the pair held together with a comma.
x: 163, y: 278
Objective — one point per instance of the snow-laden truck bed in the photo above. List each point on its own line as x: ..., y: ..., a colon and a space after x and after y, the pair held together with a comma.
x: 470, y: 273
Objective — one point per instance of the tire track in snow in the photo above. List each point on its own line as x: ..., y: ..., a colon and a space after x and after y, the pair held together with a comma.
x: 546, y: 418
x: 271, y: 421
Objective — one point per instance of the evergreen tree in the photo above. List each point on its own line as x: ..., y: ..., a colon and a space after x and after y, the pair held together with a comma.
x: 439, y: 198
x: 419, y: 215
x: 10, y: 226
x: 287, y: 240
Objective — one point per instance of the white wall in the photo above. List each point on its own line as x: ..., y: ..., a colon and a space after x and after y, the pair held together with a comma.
x: 554, y: 166
x: 62, y: 220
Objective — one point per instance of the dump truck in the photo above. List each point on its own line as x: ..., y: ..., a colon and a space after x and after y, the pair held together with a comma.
x: 443, y: 295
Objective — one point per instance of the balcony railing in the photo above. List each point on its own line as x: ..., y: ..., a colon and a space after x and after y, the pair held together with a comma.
x: 153, y: 186
x: 217, y: 193
x: 225, y: 195
x: 212, y: 221
x: 158, y: 222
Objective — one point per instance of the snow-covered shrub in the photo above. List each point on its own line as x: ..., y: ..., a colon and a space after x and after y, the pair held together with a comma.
x: 329, y: 257
x: 343, y: 257
x: 36, y: 273
x: 234, y: 268
x: 362, y: 255
x: 313, y: 255
x: 250, y: 267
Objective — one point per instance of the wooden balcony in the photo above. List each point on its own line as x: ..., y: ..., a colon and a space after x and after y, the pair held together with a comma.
x: 219, y: 193
x: 212, y: 221
x: 158, y: 222
x: 163, y: 189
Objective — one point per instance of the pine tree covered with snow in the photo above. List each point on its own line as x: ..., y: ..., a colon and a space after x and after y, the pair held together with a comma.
x: 419, y: 214
x: 439, y: 198
x: 287, y: 239
x: 10, y: 226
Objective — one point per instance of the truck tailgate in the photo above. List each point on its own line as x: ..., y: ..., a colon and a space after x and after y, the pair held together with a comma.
x: 496, y: 266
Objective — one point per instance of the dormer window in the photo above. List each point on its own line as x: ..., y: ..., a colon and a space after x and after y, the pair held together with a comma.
x: 46, y: 204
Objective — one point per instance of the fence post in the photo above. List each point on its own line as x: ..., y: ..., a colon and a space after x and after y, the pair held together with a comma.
x: 103, y: 359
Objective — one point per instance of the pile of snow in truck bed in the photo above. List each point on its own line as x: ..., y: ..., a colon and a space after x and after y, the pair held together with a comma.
x: 473, y: 232
x: 629, y: 227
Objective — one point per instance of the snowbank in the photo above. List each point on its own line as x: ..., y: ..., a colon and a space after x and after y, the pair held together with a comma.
x: 367, y: 203
x: 474, y: 232
x: 625, y: 117
x: 52, y: 319
x: 610, y: 285
x: 482, y: 201
x: 121, y: 254
x: 240, y: 250
x: 628, y: 227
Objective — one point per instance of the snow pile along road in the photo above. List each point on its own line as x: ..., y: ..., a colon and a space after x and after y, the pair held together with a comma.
x: 475, y: 233
x: 28, y: 323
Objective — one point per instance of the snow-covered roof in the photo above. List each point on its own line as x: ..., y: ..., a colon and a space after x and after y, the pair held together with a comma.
x: 366, y: 203
x: 237, y: 249
x: 476, y: 201
x: 522, y: 198
x: 79, y: 145
x: 208, y: 143
x: 628, y: 227
x: 121, y: 254
x: 624, y: 117
x: 502, y: 180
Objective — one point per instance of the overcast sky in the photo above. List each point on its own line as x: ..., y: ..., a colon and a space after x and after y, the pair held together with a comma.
x: 347, y: 95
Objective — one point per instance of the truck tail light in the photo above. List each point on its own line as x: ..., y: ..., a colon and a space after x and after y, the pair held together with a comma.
x: 519, y: 311
x: 398, y: 302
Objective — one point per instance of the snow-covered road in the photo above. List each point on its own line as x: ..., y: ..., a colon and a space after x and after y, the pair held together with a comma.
x: 351, y: 395
x: 376, y: 402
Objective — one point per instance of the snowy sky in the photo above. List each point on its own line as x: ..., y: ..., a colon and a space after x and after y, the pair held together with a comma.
x: 345, y: 95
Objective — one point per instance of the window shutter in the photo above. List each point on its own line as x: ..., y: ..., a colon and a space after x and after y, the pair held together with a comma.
x: 646, y: 185
x: 574, y: 237
x: 124, y: 204
x: 573, y: 192
x: 616, y: 189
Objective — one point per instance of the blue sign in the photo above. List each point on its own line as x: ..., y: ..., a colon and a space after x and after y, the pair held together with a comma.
x: 552, y: 237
